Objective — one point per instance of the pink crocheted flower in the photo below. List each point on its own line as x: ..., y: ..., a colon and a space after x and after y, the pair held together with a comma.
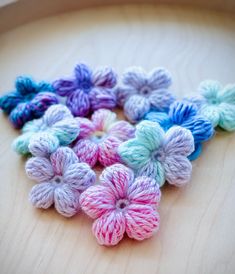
x: 122, y: 204
x: 100, y: 138
x: 87, y: 90
x: 61, y: 179
x: 142, y: 92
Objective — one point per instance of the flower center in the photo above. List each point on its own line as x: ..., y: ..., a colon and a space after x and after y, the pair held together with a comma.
x: 122, y: 203
x: 98, y: 136
x: 158, y: 155
x: 57, y: 180
x: 145, y: 90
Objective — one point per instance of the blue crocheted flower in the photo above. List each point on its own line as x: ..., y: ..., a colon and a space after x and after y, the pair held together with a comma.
x: 143, y: 91
x: 186, y: 115
x: 28, y: 101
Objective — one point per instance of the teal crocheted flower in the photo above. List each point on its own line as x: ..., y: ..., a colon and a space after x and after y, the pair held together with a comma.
x: 217, y: 104
x: 57, y: 122
x: 159, y: 155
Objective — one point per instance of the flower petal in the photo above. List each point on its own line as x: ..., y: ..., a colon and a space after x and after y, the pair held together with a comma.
x: 102, y: 119
x: 181, y: 111
x: 161, y: 118
x: 66, y: 201
x: 65, y: 87
x: 227, y: 94
x: 20, y: 144
x: 39, y: 169
x: 87, y: 151
x: 123, y: 94
x: 62, y: 158
x: 56, y: 113
x: 42, y: 195
x: 159, y: 78
x: 79, y: 176
x: 66, y: 130
x: 152, y: 169
x: 212, y: 113
x: 201, y: 128
x: 21, y: 114
x: 135, y: 77
x: 142, y: 221
x: 104, y: 77
x: 196, y: 153
x: 108, y: 151
x: 161, y: 100
x: 25, y: 85
x: 149, y: 134
x: 86, y: 127
x: 42, y: 144
x: 102, y: 98
x: 178, y: 141
x: 136, y: 107
x: 32, y: 126
x: 79, y: 103
x: 227, y: 116
x: 122, y: 130
x: 109, y: 228
x: 97, y: 200
x: 10, y: 100
x: 117, y: 178
x: 210, y: 89
x: 144, y: 191
x: 83, y: 76
x: 178, y: 170
x: 133, y: 153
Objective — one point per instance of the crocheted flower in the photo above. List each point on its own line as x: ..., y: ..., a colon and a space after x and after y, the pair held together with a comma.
x: 100, y: 137
x: 29, y: 101
x: 122, y: 204
x: 185, y: 114
x: 87, y: 91
x: 159, y: 155
x: 61, y: 179
x: 142, y: 92
x: 57, y: 121
x: 217, y: 104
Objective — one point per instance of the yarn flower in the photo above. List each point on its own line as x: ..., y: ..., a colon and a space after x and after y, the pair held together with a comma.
x: 217, y: 104
x: 57, y: 121
x: 122, y: 204
x: 61, y: 179
x: 141, y: 92
x: 87, y: 91
x: 100, y: 138
x: 159, y: 155
x: 185, y: 114
x: 29, y: 101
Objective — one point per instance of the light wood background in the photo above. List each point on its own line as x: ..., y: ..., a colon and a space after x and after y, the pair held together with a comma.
x: 197, y: 222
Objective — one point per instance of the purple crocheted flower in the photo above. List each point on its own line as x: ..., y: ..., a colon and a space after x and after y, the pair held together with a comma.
x: 141, y: 92
x: 61, y: 179
x: 29, y: 101
x: 87, y: 91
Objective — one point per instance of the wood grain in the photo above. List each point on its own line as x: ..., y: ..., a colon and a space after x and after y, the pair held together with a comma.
x: 197, y: 222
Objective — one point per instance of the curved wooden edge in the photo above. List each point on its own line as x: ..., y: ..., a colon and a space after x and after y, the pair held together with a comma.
x: 24, y: 11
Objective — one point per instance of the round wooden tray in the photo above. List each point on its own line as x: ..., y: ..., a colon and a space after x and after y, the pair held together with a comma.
x: 197, y: 222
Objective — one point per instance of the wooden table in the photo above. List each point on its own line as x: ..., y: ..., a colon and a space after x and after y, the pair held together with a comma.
x: 197, y: 222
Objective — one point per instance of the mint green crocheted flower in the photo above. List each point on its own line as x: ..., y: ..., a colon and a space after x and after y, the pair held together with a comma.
x: 217, y: 104
x: 159, y: 155
x: 57, y: 122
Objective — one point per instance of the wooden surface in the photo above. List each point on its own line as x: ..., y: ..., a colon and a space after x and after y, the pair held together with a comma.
x: 197, y: 222
x: 23, y: 11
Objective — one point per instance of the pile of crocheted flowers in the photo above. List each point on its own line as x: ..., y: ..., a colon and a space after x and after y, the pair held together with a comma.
x: 65, y: 140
